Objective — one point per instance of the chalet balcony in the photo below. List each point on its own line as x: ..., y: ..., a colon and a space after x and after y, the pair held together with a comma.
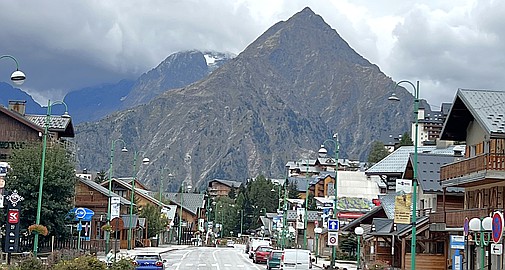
x: 481, y: 169
x: 456, y: 218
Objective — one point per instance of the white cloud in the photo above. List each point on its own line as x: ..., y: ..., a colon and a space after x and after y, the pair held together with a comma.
x: 64, y: 45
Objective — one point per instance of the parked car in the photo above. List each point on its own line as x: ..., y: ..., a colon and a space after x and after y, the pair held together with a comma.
x: 296, y: 259
x: 255, y: 243
x: 261, y: 254
x: 274, y: 259
x: 148, y: 261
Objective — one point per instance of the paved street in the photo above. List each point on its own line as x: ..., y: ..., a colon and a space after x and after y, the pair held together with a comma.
x: 209, y: 258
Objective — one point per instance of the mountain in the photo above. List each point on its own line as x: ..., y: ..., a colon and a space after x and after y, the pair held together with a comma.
x: 93, y: 103
x: 10, y: 93
x: 278, y: 100
x: 176, y: 71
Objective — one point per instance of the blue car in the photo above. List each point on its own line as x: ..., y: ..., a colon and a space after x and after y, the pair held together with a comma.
x: 149, y: 261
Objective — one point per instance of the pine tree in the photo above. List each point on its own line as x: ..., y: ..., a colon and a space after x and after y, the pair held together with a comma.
x: 406, y: 140
x: 378, y: 152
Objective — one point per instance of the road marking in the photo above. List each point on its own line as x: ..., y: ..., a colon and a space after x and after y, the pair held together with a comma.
x: 182, y: 259
x: 227, y: 265
x: 215, y: 259
x: 240, y: 266
x: 189, y: 264
x: 202, y: 264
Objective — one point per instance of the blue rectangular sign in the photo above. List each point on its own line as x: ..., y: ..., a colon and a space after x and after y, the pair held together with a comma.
x: 332, y: 224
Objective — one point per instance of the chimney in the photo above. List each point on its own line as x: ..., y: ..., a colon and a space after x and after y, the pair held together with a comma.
x: 18, y: 106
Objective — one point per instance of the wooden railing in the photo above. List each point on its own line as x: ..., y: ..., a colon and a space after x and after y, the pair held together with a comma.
x: 478, y: 163
x: 456, y: 218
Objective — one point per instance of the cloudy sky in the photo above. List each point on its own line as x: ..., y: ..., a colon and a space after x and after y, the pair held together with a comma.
x: 66, y: 45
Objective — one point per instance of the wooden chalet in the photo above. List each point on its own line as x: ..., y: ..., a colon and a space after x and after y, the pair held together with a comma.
x: 477, y: 117
x: 18, y: 129
x: 123, y: 188
x: 218, y: 187
x: 95, y: 197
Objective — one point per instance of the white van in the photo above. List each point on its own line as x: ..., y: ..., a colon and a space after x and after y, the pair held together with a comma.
x: 255, y: 243
x: 296, y: 259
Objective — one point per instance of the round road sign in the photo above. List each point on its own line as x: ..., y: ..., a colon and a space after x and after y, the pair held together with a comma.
x: 497, y: 227
x: 80, y: 213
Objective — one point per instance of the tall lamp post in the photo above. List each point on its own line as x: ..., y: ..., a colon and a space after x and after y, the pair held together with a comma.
x: 306, y: 206
x: 414, y: 180
x: 145, y: 161
x: 42, y: 167
x: 107, y: 233
x: 359, y: 232
x: 160, y: 193
x: 285, y: 212
x: 17, y: 77
x: 335, y: 200
x: 484, y: 227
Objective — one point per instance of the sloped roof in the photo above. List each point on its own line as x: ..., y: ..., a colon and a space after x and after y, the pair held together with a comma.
x: 388, y: 204
x: 302, y: 182
x: 103, y: 190
x: 62, y: 125
x: 190, y: 201
x: 349, y: 203
x: 428, y: 173
x: 487, y: 107
x: 234, y: 184
x: 396, y: 162
x: 20, y: 118
x: 140, y: 192
x: 359, y: 220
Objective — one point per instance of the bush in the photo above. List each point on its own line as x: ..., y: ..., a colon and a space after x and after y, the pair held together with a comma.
x: 31, y: 263
x: 81, y: 263
x: 63, y: 255
x: 123, y: 264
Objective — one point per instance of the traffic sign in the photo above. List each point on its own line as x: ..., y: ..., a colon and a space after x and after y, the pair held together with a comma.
x: 466, y: 226
x: 497, y: 227
x: 496, y: 249
x: 332, y: 225
x: 457, y: 242
x: 332, y: 238
x: 80, y: 213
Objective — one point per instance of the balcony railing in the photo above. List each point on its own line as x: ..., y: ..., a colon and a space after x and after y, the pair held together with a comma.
x: 456, y: 218
x: 484, y: 162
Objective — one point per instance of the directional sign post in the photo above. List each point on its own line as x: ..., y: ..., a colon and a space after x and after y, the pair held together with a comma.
x: 496, y: 249
x: 333, y: 225
x: 497, y: 227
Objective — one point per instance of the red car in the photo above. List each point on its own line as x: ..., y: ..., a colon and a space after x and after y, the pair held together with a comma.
x: 261, y: 254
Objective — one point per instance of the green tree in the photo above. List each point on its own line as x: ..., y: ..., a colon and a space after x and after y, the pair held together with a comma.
x: 406, y: 139
x: 312, y: 205
x: 58, y: 188
x: 293, y: 190
x: 101, y: 177
x: 378, y: 152
x: 155, y: 221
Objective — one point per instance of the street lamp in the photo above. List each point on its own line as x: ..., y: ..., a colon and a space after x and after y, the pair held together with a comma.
x: 107, y: 233
x: 17, y: 77
x: 285, y: 211
x: 160, y: 193
x: 359, y: 232
x: 305, y: 210
x: 42, y: 167
x: 414, y: 180
x: 145, y: 161
x: 180, y: 211
x: 335, y: 200
x: 484, y: 227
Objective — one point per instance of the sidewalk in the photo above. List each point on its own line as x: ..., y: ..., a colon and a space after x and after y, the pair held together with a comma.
x: 326, y: 262
x: 130, y: 253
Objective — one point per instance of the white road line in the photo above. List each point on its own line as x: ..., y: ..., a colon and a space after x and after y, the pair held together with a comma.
x: 182, y: 259
x: 189, y: 264
x: 227, y: 265
x: 215, y: 259
x: 202, y: 264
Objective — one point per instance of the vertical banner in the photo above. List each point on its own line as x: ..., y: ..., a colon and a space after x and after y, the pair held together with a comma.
x: 402, y: 209
x: 300, y: 218
x: 12, y: 224
x: 115, y: 207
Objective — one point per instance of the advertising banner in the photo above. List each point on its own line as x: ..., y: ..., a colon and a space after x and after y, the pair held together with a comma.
x: 402, y: 209
x: 300, y: 218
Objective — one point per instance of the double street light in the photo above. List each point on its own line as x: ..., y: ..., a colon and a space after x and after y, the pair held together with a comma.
x: 414, y: 166
x: 335, y: 200
x: 107, y: 233
x: 17, y: 77
x: 145, y: 161
x: 359, y: 232
x: 42, y: 166
x: 484, y: 227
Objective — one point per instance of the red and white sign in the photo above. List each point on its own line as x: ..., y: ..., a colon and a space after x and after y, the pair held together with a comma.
x: 497, y: 227
x: 332, y: 238
x: 13, y: 216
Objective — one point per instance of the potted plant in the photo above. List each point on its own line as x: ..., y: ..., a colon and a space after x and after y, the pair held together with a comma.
x: 39, y: 229
x: 107, y: 228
